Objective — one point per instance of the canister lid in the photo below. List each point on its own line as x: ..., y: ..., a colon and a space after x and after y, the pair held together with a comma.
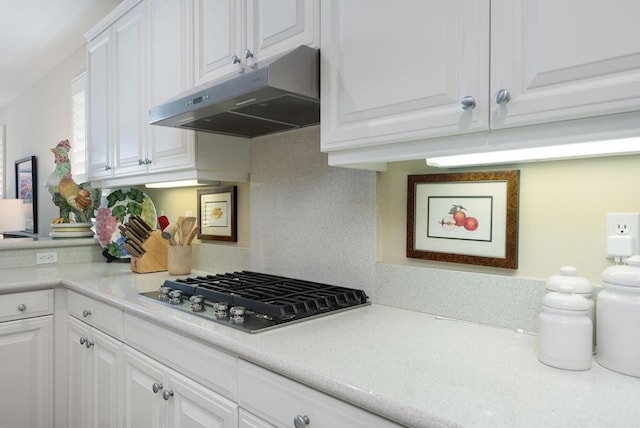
x: 569, y: 276
x: 565, y: 299
x: 627, y: 274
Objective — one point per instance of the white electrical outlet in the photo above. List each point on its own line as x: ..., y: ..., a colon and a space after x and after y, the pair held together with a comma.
x: 45, y: 258
x: 622, y: 234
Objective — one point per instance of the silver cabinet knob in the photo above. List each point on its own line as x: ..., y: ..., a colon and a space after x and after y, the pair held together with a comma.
x: 141, y: 162
x: 502, y: 96
x: 107, y: 167
x: 22, y: 307
x: 468, y: 103
x: 88, y: 344
x: 300, y: 421
x: 247, y: 54
x: 167, y: 394
x: 83, y: 340
x: 147, y: 161
x: 235, y: 59
x: 86, y: 313
x: 156, y: 387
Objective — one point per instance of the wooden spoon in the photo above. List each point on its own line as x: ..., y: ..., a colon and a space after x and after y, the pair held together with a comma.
x: 186, y: 227
x: 191, y: 235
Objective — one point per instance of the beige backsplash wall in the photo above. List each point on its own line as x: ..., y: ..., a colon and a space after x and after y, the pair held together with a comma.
x: 178, y: 202
x: 561, y: 216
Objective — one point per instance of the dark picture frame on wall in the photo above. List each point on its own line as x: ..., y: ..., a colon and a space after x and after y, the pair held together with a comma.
x: 469, y: 218
x: 27, y: 190
x: 217, y: 214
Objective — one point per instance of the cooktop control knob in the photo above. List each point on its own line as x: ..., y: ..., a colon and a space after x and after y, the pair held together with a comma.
x: 236, y: 314
x: 175, y: 297
x: 221, y: 309
x: 164, y: 293
x: 197, y: 303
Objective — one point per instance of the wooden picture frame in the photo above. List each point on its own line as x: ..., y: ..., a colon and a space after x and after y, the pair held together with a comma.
x: 469, y: 218
x: 27, y: 190
x: 217, y: 214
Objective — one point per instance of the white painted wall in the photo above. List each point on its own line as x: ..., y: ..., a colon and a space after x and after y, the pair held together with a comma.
x: 36, y: 121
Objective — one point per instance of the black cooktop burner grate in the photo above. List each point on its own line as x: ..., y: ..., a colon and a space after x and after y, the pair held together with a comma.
x: 279, y: 297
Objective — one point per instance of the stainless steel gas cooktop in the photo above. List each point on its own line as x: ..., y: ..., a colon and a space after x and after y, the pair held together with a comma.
x: 253, y: 302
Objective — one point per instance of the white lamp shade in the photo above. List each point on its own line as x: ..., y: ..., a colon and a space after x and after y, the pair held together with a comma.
x: 11, y: 215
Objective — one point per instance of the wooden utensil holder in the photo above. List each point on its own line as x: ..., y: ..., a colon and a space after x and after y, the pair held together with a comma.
x: 155, y: 257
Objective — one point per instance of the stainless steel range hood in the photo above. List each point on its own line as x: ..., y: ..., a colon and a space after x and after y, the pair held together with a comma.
x: 276, y: 96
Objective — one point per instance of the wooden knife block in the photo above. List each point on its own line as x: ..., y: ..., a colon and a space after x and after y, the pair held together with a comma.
x: 155, y: 257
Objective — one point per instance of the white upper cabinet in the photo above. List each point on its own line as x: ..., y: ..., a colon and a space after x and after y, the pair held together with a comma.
x: 218, y: 37
x: 233, y: 34
x: 170, y: 73
x: 399, y: 78
x: 130, y: 124
x: 399, y: 71
x: 277, y: 26
x: 117, y: 98
x: 99, y: 132
x: 563, y: 60
x: 140, y: 56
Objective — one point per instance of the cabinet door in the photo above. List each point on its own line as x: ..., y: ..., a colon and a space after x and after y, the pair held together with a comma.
x: 218, y: 37
x: 99, y: 102
x: 170, y: 73
x: 279, y: 400
x: 26, y: 373
x: 247, y: 420
x: 554, y: 71
x: 276, y: 26
x: 78, y: 374
x: 193, y: 405
x: 105, y: 364
x: 142, y: 407
x: 406, y: 82
x: 130, y: 106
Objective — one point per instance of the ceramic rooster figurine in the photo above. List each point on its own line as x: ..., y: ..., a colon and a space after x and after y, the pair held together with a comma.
x: 72, y: 198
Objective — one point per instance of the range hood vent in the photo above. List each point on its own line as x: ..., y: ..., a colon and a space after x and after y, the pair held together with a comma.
x: 276, y: 96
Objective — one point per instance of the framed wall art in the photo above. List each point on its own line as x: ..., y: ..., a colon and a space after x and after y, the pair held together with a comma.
x: 217, y: 216
x: 27, y: 190
x: 469, y: 218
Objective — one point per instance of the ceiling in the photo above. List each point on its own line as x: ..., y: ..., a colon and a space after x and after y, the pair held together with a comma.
x: 36, y: 35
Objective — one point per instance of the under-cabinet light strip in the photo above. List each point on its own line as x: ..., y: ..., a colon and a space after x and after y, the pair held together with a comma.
x: 534, y: 154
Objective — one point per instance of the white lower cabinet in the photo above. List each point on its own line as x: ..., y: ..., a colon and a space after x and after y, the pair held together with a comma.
x: 157, y: 396
x: 247, y: 420
x: 151, y: 376
x: 26, y: 372
x: 94, y: 377
x: 282, y: 402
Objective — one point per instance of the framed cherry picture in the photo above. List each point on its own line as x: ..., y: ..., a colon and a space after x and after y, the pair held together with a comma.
x: 469, y: 218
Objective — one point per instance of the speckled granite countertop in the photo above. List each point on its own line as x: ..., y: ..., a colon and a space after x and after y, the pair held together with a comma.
x: 413, y: 368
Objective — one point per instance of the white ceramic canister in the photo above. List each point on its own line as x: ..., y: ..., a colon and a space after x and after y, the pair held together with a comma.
x: 565, y: 338
x: 579, y: 285
x: 618, y: 312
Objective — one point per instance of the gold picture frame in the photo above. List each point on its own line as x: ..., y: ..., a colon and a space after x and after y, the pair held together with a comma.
x: 217, y: 214
x: 469, y: 218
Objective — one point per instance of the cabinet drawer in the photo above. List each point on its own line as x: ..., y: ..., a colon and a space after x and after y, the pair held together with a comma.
x: 26, y: 305
x: 278, y: 400
x: 210, y: 367
x: 97, y: 314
